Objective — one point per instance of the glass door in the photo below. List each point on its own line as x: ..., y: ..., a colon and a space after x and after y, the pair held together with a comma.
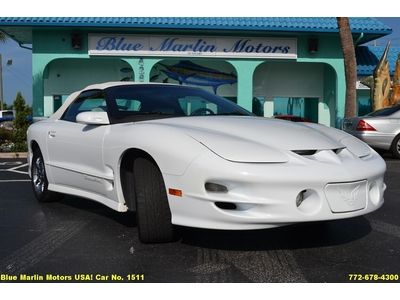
x: 303, y: 107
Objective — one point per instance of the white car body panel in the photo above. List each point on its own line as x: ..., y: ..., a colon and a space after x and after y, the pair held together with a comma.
x: 253, y: 157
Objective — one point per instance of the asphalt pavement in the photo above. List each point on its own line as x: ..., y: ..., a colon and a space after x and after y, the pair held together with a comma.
x: 80, y: 240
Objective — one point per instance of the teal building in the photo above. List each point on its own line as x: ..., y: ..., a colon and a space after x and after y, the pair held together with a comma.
x: 271, y: 66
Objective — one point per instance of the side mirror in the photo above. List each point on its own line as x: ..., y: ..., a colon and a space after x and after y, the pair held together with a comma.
x: 93, y: 118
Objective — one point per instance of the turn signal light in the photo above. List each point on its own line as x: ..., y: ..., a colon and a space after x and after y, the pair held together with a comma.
x: 364, y: 126
x: 175, y: 192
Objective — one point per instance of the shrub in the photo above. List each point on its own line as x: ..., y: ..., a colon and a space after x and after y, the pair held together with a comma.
x: 21, y: 123
x: 5, y: 135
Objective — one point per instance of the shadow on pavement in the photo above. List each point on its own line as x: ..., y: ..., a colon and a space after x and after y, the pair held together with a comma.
x: 71, y: 205
x: 306, y: 235
x: 302, y: 235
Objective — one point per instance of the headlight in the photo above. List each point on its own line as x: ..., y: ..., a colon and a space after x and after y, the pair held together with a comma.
x: 355, y: 146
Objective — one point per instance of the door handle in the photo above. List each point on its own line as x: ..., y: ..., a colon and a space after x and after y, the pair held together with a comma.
x: 52, y: 134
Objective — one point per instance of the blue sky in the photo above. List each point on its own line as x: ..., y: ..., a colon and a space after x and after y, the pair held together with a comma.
x: 393, y: 23
x: 18, y: 76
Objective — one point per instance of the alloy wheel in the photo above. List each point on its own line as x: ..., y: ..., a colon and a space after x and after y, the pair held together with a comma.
x: 38, y: 175
x: 398, y: 146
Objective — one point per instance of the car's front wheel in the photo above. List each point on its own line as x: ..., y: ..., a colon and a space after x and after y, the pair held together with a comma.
x: 152, y: 208
x: 39, y: 179
x: 396, y: 146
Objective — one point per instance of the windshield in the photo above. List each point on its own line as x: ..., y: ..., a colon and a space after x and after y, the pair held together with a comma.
x: 150, y: 101
x: 387, y: 111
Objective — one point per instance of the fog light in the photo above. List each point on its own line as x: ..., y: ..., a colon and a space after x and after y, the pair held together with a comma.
x: 215, y: 187
x: 300, y: 198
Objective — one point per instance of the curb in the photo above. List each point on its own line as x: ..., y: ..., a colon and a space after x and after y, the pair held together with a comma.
x: 13, y: 154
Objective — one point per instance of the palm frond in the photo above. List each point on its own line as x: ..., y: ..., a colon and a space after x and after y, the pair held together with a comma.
x: 3, y: 37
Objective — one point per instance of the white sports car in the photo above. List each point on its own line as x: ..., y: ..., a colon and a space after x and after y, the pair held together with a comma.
x: 180, y: 155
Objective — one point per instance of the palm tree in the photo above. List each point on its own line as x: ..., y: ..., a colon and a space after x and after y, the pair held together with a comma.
x: 3, y: 37
x: 350, y: 66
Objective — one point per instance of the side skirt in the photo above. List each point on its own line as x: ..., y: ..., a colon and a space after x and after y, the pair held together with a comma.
x: 88, y: 195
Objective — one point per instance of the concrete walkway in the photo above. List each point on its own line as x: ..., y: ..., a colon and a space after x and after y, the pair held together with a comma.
x: 13, y: 154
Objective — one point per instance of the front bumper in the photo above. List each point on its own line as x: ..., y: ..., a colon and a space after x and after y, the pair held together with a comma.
x: 265, y: 193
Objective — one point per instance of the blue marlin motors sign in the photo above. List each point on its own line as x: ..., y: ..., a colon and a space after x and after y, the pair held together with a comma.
x: 176, y: 46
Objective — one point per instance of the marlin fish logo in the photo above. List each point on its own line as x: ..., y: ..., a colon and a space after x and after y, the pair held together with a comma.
x: 350, y: 197
x: 190, y: 73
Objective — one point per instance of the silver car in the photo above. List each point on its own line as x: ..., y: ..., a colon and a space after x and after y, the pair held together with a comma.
x: 379, y: 129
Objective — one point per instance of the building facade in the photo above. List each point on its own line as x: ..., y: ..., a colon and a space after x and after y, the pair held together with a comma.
x: 269, y: 66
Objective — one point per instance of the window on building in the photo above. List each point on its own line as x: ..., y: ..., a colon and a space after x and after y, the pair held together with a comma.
x: 306, y: 108
x: 57, y: 102
x: 258, y: 106
x: 364, y: 102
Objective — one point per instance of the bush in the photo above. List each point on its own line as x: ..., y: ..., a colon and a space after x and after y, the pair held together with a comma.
x: 21, y: 124
x: 5, y: 135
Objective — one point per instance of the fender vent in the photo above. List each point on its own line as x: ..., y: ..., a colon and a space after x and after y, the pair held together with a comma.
x: 305, y: 152
x: 338, y: 150
x: 312, y: 152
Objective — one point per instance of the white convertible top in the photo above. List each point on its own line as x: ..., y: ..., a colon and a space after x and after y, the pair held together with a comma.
x: 97, y: 86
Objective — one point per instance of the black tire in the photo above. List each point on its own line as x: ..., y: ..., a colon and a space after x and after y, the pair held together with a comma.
x: 39, y: 179
x: 395, y: 148
x: 152, y: 208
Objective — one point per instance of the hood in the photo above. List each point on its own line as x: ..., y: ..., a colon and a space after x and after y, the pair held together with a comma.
x: 251, y: 139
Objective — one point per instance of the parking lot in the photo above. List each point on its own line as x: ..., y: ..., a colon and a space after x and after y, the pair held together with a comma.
x: 78, y: 237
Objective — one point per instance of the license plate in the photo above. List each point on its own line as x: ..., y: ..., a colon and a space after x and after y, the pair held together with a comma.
x: 345, y: 197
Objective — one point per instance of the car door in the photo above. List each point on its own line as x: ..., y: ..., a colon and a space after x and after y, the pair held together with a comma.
x: 75, y: 150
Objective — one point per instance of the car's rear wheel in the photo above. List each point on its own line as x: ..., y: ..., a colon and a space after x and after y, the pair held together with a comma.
x: 39, y: 179
x: 396, y: 146
x: 152, y: 208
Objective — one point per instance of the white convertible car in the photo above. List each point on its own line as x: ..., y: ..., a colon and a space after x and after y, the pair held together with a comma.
x: 180, y: 155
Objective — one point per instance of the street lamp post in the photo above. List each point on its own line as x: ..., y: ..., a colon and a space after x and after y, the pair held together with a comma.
x: 1, y: 84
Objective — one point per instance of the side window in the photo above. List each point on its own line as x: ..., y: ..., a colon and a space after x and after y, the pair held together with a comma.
x: 87, y: 101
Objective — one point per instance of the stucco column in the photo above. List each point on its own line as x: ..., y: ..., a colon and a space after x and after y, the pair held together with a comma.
x: 39, y: 62
x: 141, y: 67
x: 341, y: 94
x: 245, y: 70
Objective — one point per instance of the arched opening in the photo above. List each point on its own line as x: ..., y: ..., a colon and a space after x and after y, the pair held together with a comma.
x: 214, y: 75
x: 63, y: 76
x: 304, y: 90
